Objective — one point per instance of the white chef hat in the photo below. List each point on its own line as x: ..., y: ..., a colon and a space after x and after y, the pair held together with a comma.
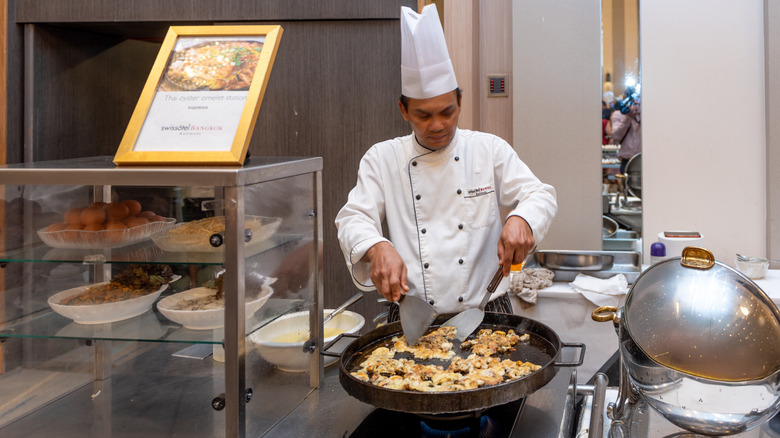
x: 426, y: 69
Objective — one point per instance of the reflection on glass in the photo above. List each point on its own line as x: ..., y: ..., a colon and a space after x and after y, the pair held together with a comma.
x: 621, y: 122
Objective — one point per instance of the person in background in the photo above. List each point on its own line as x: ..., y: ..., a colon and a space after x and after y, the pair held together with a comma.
x: 439, y: 191
x: 606, y: 125
x: 627, y: 127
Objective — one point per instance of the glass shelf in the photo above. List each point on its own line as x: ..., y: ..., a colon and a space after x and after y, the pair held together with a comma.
x: 151, y: 326
x: 144, y: 252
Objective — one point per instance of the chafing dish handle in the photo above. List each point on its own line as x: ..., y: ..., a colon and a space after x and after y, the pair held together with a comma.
x: 327, y: 346
x: 576, y: 363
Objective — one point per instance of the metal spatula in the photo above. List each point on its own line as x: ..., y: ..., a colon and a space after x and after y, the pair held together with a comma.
x: 416, y: 316
x: 468, y: 320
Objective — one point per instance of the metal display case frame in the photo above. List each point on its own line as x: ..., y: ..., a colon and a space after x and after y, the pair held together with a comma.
x: 230, y: 184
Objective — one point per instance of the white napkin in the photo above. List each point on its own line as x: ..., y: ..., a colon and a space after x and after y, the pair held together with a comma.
x: 601, y: 291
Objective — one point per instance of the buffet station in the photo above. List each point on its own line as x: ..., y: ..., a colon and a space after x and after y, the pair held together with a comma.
x: 685, y: 366
x: 177, y: 290
x: 686, y: 347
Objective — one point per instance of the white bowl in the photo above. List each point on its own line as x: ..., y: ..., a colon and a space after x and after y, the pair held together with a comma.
x: 206, y: 319
x: 102, y: 313
x: 289, y: 356
x: 754, y: 267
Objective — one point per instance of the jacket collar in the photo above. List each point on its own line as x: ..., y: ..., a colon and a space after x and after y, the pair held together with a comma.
x: 447, y: 151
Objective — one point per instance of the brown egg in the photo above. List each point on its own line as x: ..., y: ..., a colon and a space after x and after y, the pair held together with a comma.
x: 97, y: 204
x: 58, y: 226
x: 94, y: 227
x: 135, y: 221
x: 156, y: 218
x: 93, y: 215
x: 147, y: 214
x: 116, y: 211
x: 115, y: 231
x: 75, y: 227
x: 133, y: 205
x: 115, y: 225
x: 73, y: 216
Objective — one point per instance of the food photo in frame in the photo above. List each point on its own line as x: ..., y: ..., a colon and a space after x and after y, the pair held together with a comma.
x: 202, y: 97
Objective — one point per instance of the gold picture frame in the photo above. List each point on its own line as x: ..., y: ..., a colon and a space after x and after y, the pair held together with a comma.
x: 196, y: 108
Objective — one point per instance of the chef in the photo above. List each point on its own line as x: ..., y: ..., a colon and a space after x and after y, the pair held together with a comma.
x: 441, y: 192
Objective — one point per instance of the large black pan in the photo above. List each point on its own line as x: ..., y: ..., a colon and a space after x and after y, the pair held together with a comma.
x: 543, y: 348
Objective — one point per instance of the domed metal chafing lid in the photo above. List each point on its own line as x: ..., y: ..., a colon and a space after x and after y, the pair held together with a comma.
x: 701, y: 317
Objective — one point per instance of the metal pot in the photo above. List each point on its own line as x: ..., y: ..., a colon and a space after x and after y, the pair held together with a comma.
x: 634, y: 175
x: 700, y: 343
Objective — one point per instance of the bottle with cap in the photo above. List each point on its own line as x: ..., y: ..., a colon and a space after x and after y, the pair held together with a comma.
x: 657, y: 252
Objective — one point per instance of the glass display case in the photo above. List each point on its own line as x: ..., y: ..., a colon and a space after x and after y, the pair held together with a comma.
x: 79, y: 358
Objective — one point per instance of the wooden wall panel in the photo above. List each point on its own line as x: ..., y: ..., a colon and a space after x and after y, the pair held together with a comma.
x: 12, y: 88
x: 155, y: 11
x: 3, y: 76
x: 495, y: 58
x: 461, y: 30
x: 86, y: 88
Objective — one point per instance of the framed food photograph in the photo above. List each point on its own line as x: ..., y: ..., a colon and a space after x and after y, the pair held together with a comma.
x: 202, y: 97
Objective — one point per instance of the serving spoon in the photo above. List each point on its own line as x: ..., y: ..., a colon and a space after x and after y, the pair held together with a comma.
x: 754, y: 259
x: 308, y: 346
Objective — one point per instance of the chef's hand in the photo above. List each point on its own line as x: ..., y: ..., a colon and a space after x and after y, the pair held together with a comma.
x: 515, y: 242
x: 388, y: 271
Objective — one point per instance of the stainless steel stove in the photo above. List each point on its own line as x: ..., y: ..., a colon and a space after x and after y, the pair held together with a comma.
x: 643, y: 421
x: 560, y: 409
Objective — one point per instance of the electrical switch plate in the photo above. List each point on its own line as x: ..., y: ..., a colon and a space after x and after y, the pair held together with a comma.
x: 497, y: 86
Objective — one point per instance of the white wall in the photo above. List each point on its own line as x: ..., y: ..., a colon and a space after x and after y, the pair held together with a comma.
x: 556, y: 110
x: 703, y: 122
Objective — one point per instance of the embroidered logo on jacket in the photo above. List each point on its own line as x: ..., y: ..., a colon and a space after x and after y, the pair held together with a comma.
x: 479, y: 191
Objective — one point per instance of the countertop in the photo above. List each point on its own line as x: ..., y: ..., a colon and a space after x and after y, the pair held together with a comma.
x: 770, y: 284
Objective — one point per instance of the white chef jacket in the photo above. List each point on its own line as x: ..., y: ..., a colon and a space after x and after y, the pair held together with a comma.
x: 442, y: 213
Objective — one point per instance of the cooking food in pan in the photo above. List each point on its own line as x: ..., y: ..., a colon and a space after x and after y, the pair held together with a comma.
x: 436, y: 344
x: 479, y: 369
x: 542, y: 348
x: 214, y: 65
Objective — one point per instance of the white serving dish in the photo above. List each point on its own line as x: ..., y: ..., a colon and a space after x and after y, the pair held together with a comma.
x: 210, y: 318
x: 262, y: 228
x: 289, y: 356
x: 81, y: 239
x: 102, y: 313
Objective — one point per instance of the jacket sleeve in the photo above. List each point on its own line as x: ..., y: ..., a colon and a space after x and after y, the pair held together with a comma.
x: 359, y: 222
x: 521, y: 191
